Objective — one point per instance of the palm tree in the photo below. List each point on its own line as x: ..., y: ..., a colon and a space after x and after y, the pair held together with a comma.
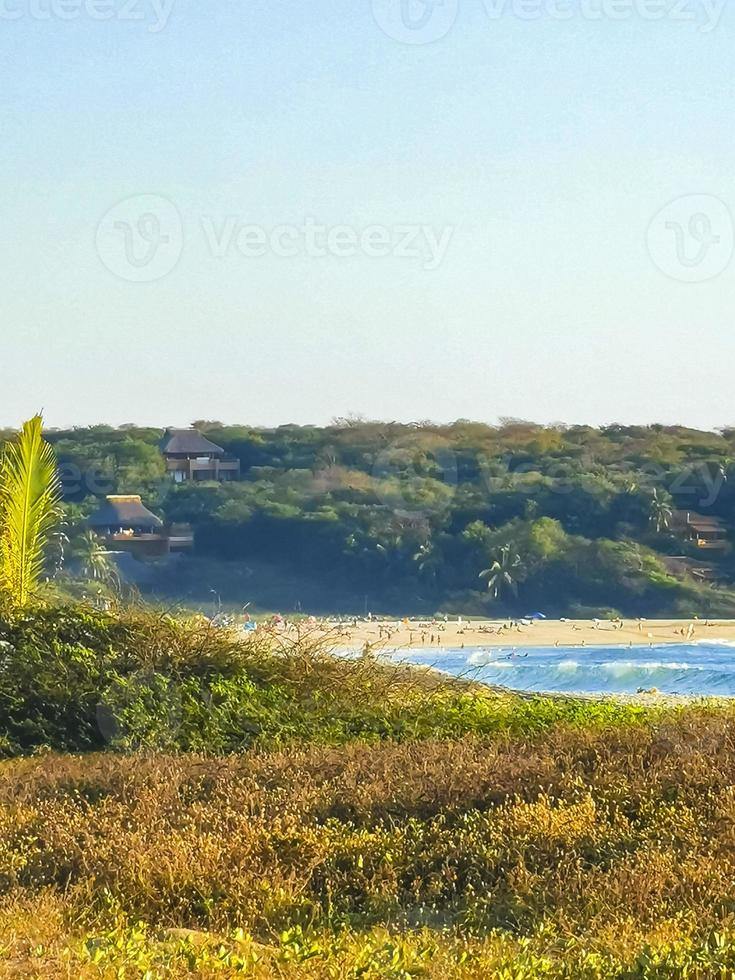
x: 391, y: 553
x: 501, y: 576
x: 95, y: 560
x: 428, y: 561
x: 660, y: 511
x: 30, y: 508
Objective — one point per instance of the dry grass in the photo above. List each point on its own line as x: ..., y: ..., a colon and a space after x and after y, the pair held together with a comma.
x: 607, y: 840
x: 372, y: 823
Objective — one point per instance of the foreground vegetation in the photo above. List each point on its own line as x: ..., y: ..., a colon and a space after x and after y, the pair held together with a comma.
x: 579, y: 855
x: 74, y: 679
x: 263, y: 809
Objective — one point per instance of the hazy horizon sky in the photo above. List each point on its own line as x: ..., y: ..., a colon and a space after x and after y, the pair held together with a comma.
x: 559, y: 174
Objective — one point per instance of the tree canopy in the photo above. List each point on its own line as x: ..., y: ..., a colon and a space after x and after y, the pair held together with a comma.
x: 588, y: 511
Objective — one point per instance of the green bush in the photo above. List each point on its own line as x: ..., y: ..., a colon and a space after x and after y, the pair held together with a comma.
x: 78, y: 680
x: 273, y: 810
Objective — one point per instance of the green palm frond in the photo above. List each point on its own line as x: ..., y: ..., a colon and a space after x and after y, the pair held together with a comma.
x: 30, y: 494
x: 95, y: 560
x: 502, y: 571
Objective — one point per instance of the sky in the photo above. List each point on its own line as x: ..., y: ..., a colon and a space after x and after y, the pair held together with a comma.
x: 271, y: 212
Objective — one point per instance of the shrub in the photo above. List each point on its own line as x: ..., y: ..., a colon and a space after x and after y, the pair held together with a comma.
x: 73, y: 679
x: 310, y: 816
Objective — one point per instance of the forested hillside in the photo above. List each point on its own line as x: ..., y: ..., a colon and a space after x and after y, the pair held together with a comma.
x: 462, y: 517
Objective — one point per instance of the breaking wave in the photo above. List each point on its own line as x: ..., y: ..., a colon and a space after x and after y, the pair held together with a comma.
x: 700, y: 669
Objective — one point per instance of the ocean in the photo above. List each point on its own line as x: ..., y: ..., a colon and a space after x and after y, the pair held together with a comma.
x: 700, y: 669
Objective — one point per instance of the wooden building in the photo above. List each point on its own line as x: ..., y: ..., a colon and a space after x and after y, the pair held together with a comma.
x: 703, y: 531
x: 191, y: 456
x: 126, y: 525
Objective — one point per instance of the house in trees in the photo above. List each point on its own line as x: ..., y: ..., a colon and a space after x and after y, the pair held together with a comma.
x: 191, y: 456
x: 126, y: 525
x: 703, y: 531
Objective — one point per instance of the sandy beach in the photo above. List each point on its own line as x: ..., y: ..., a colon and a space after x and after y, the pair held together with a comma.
x: 544, y: 633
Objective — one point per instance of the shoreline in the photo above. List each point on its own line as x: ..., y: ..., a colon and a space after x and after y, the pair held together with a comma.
x: 438, y: 635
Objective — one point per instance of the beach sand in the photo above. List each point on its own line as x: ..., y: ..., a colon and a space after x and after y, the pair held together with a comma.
x: 388, y: 634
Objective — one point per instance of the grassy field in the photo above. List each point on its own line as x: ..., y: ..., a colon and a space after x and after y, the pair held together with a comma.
x: 353, y: 822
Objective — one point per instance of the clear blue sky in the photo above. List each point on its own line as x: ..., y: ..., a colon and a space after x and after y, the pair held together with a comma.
x: 545, y: 147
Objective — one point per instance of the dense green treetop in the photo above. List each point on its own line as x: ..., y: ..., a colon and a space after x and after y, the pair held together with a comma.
x: 415, y: 513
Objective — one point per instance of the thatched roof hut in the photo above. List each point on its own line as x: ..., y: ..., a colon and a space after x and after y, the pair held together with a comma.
x: 188, y: 443
x: 124, y: 513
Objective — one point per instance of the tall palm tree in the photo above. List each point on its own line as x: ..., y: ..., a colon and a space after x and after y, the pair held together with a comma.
x: 428, y: 561
x: 502, y: 574
x: 30, y: 509
x: 95, y: 560
x: 391, y: 551
x: 660, y: 511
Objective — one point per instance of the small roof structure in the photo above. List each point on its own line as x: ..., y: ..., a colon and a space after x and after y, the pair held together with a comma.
x: 124, y: 511
x: 701, y: 523
x: 188, y: 442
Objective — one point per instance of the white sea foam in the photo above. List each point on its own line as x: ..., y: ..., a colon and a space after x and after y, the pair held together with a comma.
x: 703, y: 668
x: 621, y: 667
